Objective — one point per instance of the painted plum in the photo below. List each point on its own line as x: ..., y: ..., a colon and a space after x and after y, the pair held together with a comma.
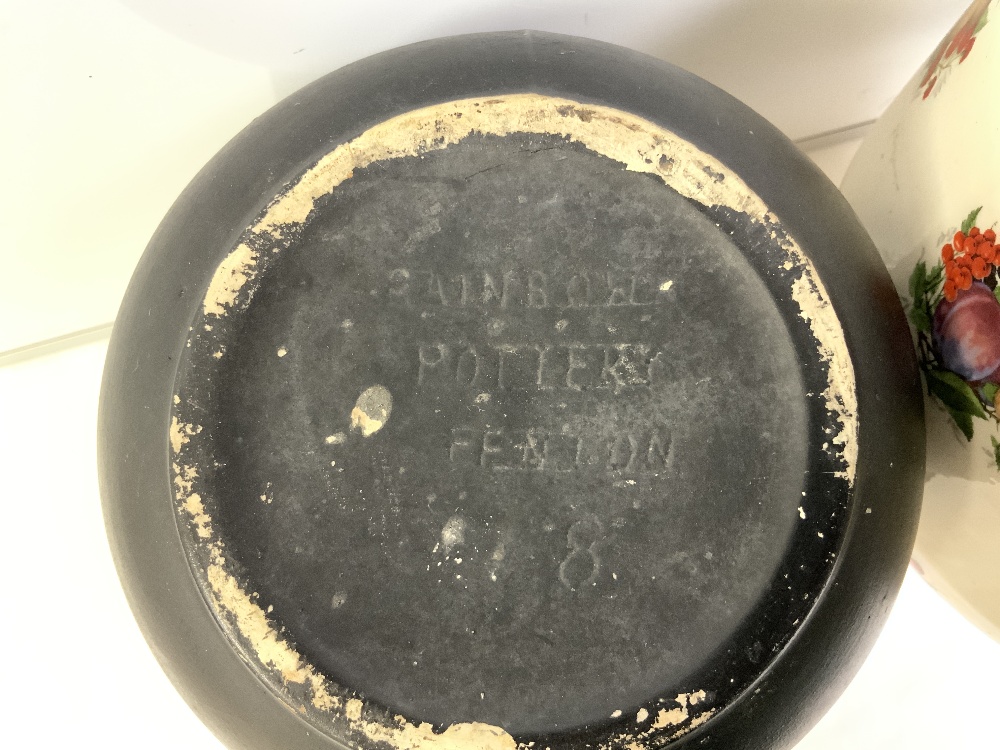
x: 967, y: 333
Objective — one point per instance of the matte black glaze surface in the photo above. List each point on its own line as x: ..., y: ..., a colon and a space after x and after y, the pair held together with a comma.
x: 586, y: 494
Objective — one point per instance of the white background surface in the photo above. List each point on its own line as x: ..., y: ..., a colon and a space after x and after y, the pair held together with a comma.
x: 107, y: 109
x: 110, y: 108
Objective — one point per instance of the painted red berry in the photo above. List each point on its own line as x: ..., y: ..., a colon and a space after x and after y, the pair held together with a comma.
x: 980, y: 268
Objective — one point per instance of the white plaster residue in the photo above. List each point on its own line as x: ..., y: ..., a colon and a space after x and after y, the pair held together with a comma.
x: 696, y: 697
x: 337, y: 438
x: 404, y: 735
x: 270, y: 649
x: 678, y: 721
x: 372, y: 410
x: 180, y: 433
x: 282, y: 351
x: 674, y: 716
x: 671, y: 717
x: 353, y: 709
x: 232, y: 274
x: 201, y: 520
x: 453, y: 533
x: 802, y: 513
x: 840, y: 394
x: 665, y: 286
x: 469, y: 736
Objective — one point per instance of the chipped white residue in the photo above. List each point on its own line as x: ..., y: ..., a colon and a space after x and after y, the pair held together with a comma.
x: 199, y: 518
x: 616, y: 713
x: 452, y: 533
x: 840, y: 394
x: 372, y: 410
x: 483, y: 398
x: 404, y: 735
x: 180, y: 433
x: 282, y: 351
x: 674, y: 722
x: 337, y: 438
x: 802, y: 513
x: 665, y: 286
x: 235, y: 270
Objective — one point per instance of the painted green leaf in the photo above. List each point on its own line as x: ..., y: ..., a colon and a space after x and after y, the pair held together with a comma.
x: 918, y: 282
x: 996, y: 292
x: 934, y: 276
x: 983, y: 19
x: 996, y: 450
x: 920, y: 319
x: 964, y: 422
x: 956, y: 394
x: 970, y: 220
x: 990, y: 391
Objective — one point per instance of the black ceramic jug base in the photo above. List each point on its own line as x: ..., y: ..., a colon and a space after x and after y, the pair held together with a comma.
x: 518, y: 420
x: 500, y: 431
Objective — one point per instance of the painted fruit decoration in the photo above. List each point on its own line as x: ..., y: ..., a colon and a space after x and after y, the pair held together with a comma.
x: 956, y: 312
x: 955, y: 47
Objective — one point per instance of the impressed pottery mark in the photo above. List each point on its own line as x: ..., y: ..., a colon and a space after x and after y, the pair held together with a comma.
x: 492, y: 390
x: 541, y: 366
x: 537, y: 449
x: 503, y: 290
